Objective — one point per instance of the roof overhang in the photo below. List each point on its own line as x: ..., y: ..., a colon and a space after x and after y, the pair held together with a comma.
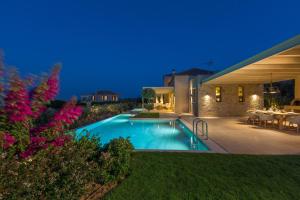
x: 161, y: 90
x: 282, y: 61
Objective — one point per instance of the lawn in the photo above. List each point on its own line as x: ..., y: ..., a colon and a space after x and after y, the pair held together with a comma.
x: 210, y: 176
x: 147, y: 115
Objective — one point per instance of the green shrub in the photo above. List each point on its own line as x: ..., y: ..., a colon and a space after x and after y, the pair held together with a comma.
x: 64, y: 173
x: 115, y: 160
x: 52, y: 173
x: 147, y: 115
x: 149, y: 106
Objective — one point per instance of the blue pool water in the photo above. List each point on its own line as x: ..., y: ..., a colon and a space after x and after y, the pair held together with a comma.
x: 145, y: 134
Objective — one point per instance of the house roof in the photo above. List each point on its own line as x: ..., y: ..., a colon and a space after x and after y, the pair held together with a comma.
x: 282, y: 62
x: 105, y: 92
x: 193, y: 72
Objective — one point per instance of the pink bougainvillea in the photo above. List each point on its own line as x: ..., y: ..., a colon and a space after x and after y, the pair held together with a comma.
x: 17, y: 103
x: 60, y: 141
x: 8, y: 140
x: 45, y: 92
x: 67, y: 115
x: 25, y: 131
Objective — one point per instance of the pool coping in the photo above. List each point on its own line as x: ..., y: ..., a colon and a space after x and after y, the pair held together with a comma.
x: 213, y: 147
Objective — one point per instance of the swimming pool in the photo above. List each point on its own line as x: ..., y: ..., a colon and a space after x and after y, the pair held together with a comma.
x: 156, y: 134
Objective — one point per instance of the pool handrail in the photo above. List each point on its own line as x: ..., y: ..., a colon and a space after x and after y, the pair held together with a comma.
x: 204, y: 127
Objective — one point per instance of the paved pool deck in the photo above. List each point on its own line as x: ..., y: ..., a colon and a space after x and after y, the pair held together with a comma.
x: 235, y: 136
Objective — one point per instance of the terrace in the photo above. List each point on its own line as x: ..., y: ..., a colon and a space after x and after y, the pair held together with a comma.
x: 235, y: 135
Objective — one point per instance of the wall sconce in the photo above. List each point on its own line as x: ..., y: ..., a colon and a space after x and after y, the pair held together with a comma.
x: 254, y: 97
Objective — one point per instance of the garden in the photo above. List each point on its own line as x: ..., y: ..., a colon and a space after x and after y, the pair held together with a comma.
x: 41, y: 158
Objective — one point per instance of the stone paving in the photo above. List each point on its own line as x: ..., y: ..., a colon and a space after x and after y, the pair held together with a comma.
x: 236, y: 136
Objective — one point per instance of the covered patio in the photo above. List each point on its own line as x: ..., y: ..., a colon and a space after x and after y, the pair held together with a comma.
x: 279, y: 63
x: 164, y: 99
x: 233, y: 133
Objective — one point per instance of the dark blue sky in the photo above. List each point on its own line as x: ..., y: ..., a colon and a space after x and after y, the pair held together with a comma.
x: 124, y: 45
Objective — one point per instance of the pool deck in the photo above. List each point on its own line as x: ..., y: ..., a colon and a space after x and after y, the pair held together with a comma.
x: 234, y: 135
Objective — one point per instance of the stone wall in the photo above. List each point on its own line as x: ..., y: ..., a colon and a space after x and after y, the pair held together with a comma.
x: 181, y: 94
x: 230, y: 105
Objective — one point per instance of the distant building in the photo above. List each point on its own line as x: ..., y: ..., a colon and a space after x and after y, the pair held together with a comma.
x: 100, y: 96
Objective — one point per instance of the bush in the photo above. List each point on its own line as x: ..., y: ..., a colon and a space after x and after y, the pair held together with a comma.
x: 115, y: 160
x: 52, y: 173
x: 65, y: 173
x: 100, y: 112
x: 147, y: 115
x: 149, y: 106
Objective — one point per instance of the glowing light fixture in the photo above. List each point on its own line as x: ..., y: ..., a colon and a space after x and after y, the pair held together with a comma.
x: 272, y: 89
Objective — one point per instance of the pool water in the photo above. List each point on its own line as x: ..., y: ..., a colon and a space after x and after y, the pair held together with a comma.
x: 153, y: 134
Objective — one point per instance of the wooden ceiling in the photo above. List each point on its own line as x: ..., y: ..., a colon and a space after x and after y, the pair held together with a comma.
x: 283, y: 65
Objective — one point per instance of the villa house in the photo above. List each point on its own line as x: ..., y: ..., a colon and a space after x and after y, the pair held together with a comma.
x: 180, y: 90
x: 100, y: 96
x: 236, y: 89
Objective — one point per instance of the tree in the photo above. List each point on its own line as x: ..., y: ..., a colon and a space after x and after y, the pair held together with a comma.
x: 148, y: 94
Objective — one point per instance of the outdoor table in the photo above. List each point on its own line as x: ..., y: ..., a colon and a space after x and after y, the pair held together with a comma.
x: 280, y: 116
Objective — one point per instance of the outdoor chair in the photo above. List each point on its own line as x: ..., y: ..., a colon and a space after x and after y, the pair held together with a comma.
x: 252, y: 117
x: 265, y: 118
x: 292, y: 120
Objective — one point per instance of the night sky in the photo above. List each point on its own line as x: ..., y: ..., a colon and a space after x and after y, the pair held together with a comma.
x: 124, y: 45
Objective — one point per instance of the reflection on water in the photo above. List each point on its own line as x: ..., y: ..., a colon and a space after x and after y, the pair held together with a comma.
x: 146, y: 134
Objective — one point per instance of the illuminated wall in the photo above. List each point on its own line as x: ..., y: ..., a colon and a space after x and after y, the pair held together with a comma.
x: 230, y: 103
x: 182, y: 94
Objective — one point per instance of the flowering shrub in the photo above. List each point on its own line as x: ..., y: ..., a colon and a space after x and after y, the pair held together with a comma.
x: 53, y: 173
x: 38, y: 160
x: 65, y: 173
x: 99, y: 112
x: 22, y: 134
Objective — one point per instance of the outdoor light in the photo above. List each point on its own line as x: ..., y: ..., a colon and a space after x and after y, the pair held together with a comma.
x: 254, y: 97
x: 272, y: 89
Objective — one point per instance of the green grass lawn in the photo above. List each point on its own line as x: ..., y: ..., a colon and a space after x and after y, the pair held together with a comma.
x: 210, y: 176
x: 147, y: 115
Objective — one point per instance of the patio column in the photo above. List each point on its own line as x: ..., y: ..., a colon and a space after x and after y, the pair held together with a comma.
x: 156, y: 99
x: 297, y: 87
x: 161, y: 98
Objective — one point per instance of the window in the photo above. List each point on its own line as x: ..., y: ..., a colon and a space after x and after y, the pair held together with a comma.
x: 241, y: 94
x: 194, y: 95
x: 218, y: 94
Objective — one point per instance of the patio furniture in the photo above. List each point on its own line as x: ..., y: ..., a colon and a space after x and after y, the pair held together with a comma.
x: 252, y: 117
x: 265, y: 118
x: 279, y: 116
x: 294, y: 120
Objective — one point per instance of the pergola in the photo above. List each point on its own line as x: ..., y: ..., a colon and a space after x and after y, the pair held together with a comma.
x: 160, y: 92
x: 282, y: 62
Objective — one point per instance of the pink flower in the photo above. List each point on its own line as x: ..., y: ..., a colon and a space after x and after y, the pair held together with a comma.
x: 45, y: 92
x: 67, y: 115
x: 9, y: 140
x: 61, y: 140
x: 38, y: 140
x: 17, y: 105
x: 27, y: 153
